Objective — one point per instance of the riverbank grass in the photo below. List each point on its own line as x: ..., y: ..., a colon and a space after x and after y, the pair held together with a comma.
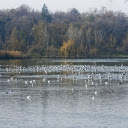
x: 4, y: 54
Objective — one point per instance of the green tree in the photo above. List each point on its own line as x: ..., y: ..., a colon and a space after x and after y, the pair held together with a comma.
x: 45, y: 14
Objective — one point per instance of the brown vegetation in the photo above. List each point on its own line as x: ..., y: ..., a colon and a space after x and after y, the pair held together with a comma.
x: 11, y: 54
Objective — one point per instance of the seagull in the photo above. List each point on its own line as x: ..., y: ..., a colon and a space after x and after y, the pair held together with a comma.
x: 106, y: 83
x: 28, y: 97
x: 43, y: 80
x: 26, y: 82
x: 93, y: 98
x: 95, y: 92
x: 48, y: 81
x: 86, y: 86
x: 11, y: 91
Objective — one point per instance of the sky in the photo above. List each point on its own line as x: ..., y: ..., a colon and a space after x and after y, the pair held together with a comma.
x: 64, y: 5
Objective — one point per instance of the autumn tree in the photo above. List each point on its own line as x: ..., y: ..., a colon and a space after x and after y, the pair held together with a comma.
x: 41, y: 38
x: 14, y: 41
x: 67, y: 49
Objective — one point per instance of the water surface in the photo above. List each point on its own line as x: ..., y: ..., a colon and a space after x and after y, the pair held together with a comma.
x: 82, y: 93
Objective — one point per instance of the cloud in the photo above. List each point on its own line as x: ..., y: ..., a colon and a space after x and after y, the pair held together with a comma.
x: 125, y: 1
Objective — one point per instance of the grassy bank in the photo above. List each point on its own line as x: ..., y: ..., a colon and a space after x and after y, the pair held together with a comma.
x: 4, y: 54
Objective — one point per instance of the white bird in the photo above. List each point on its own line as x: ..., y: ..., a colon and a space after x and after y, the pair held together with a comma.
x: 28, y: 97
x: 106, y: 83
x: 93, y: 98
x: 43, y: 80
x: 48, y: 81
x: 34, y: 81
x: 30, y: 81
x: 95, y: 92
x: 8, y: 80
x: 92, y: 83
x: 11, y: 91
x: 26, y: 82
x: 86, y: 86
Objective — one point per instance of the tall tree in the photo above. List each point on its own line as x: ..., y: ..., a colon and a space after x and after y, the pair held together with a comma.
x: 45, y: 14
x: 14, y: 41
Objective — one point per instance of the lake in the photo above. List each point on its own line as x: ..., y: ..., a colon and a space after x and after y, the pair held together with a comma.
x: 64, y: 93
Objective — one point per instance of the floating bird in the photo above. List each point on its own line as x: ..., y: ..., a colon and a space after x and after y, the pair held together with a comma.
x: 11, y: 91
x: 26, y: 82
x: 43, y: 80
x: 106, y: 83
x: 93, y: 98
x: 28, y: 97
x: 95, y: 92
x: 49, y: 82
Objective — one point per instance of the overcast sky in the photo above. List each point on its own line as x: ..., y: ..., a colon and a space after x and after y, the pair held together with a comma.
x: 64, y: 5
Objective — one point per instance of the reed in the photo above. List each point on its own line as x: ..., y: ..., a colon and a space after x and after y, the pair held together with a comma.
x: 11, y: 54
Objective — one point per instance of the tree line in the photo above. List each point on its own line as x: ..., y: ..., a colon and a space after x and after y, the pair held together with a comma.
x: 96, y: 33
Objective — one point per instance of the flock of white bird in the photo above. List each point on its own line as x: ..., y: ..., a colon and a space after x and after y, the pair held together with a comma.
x: 89, y: 73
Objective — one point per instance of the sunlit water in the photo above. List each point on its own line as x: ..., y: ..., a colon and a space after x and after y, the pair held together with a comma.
x: 51, y: 93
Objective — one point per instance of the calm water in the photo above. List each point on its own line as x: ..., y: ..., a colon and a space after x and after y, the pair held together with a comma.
x: 51, y: 93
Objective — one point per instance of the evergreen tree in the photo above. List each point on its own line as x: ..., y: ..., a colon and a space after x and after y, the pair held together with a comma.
x: 45, y: 14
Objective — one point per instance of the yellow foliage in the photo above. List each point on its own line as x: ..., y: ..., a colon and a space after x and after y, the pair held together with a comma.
x: 67, y: 48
